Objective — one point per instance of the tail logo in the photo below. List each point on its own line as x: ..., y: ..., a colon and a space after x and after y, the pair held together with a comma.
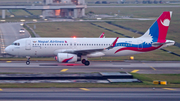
x: 149, y: 37
x: 165, y: 22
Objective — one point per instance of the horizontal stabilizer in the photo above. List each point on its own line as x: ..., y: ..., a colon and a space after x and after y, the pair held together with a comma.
x: 156, y: 44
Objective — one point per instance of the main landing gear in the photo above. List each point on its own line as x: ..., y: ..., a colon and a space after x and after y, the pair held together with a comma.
x: 85, y: 62
x: 28, y: 60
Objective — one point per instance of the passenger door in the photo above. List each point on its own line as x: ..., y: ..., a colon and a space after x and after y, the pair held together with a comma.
x: 28, y: 45
x: 140, y: 46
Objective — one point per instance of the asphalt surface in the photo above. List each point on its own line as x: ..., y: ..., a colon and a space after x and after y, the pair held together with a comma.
x: 143, y: 67
x: 86, y: 94
x: 9, y: 33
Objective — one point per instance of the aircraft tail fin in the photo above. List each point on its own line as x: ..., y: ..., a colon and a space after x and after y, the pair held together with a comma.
x: 158, y: 31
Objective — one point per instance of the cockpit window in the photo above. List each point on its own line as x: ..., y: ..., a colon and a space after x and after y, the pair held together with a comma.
x: 16, y: 44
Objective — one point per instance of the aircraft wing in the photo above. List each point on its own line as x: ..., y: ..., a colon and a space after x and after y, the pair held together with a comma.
x: 86, y: 51
x: 83, y: 51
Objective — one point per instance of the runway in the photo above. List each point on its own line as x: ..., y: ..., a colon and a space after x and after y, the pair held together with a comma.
x: 143, y: 67
x: 87, y: 94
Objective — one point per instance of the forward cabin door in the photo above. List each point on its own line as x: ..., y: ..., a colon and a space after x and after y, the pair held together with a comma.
x: 28, y: 45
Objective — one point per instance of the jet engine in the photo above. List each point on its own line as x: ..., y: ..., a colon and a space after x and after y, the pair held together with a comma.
x: 66, y: 57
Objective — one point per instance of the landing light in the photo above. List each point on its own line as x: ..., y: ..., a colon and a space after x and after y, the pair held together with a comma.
x: 132, y: 57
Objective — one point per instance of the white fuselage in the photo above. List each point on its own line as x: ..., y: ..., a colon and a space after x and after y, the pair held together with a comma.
x: 52, y: 46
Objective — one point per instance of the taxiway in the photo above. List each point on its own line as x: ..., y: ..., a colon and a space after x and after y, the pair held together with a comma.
x: 144, y: 67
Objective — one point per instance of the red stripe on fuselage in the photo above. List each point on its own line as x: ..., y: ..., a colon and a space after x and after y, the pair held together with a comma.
x: 139, y: 50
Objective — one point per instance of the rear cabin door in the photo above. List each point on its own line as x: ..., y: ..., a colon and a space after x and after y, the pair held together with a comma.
x: 140, y: 46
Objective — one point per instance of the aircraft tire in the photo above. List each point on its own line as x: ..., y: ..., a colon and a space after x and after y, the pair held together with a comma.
x: 83, y: 61
x: 87, y: 63
x: 27, y: 62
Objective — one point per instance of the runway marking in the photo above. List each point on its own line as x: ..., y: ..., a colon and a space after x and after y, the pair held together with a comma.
x: 153, y: 68
x: 8, y: 61
x: 169, y: 89
x: 63, y: 70
x: 1, y: 89
x: 85, y: 89
x: 134, y: 71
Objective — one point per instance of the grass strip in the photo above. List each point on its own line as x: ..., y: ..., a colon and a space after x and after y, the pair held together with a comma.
x: 32, y: 34
x: 172, y: 79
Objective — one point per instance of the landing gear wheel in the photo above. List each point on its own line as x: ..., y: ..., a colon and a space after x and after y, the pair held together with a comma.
x: 87, y: 63
x: 27, y: 62
x: 83, y: 61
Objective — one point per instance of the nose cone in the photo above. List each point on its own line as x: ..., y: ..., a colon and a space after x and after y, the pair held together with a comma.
x: 7, y: 49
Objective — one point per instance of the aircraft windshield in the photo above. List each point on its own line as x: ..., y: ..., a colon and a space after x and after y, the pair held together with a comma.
x: 16, y: 44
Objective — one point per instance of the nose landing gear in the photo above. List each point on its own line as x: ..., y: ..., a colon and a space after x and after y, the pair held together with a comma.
x: 28, y: 60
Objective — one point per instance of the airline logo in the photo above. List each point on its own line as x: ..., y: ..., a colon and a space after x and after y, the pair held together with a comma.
x: 163, y: 24
x: 50, y: 41
x: 67, y: 60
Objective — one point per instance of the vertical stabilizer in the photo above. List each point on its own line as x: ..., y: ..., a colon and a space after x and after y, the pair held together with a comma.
x: 158, y: 31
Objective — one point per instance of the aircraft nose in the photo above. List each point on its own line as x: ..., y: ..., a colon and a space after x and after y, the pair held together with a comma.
x: 7, y: 49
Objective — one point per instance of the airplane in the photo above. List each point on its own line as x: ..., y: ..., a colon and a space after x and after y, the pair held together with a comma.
x: 66, y: 50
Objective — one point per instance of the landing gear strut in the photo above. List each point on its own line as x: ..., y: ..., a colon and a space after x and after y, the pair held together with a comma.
x: 85, y: 62
x: 28, y: 60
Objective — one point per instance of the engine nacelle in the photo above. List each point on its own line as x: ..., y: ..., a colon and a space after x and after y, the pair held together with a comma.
x: 65, y: 57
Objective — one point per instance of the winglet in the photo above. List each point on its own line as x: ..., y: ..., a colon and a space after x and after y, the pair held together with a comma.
x: 101, y: 36
x: 113, y: 44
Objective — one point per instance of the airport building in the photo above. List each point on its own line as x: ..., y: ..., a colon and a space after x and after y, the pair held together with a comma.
x: 50, y: 8
x: 76, y: 8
